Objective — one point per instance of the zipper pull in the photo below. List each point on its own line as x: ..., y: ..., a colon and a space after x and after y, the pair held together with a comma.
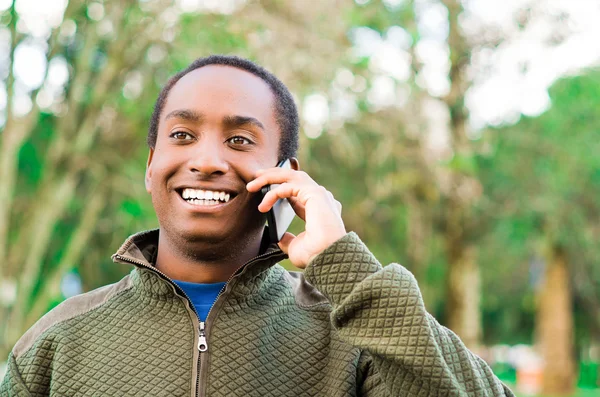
x: 202, y: 345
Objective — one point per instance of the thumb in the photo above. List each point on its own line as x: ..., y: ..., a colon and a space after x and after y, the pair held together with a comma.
x: 284, y: 244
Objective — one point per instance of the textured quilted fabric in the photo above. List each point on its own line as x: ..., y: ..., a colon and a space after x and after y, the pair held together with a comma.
x: 368, y: 335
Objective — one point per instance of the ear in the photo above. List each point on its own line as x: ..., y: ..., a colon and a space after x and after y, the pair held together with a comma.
x: 148, y: 177
x: 295, y: 163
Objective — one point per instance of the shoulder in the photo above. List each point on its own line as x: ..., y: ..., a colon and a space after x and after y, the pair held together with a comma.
x: 73, y: 307
x: 305, y: 294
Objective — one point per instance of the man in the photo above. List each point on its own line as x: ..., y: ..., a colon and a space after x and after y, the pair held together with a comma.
x: 206, y: 311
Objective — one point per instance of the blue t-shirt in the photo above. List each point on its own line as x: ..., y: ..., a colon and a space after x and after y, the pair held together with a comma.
x: 202, y: 295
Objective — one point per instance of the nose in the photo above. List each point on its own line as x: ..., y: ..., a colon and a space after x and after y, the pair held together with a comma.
x: 208, y: 159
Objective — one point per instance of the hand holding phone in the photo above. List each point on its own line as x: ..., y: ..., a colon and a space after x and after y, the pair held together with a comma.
x: 281, y: 215
x: 312, y: 203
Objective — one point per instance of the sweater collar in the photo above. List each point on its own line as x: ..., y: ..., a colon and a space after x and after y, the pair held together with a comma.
x: 140, y: 249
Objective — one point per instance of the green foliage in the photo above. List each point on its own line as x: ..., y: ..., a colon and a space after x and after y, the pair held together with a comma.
x: 377, y: 16
x: 541, y: 182
x: 31, y: 154
x: 465, y: 164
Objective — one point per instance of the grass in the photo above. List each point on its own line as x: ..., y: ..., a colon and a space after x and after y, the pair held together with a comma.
x: 578, y: 392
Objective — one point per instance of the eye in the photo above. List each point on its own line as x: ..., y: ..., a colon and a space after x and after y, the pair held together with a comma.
x: 239, y: 140
x: 181, y: 136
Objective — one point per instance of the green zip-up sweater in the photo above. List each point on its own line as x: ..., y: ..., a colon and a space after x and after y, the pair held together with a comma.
x: 346, y: 327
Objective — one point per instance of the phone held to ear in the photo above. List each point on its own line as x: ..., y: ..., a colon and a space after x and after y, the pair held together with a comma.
x: 280, y: 216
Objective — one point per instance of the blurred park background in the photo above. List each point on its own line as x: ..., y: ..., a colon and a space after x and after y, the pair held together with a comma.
x: 460, y: 136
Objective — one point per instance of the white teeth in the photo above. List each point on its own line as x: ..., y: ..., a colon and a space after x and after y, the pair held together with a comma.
x: 204, y: 202
x: 204, y: 197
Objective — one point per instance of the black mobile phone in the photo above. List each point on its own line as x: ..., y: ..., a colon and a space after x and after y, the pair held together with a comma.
x: 281, y: 215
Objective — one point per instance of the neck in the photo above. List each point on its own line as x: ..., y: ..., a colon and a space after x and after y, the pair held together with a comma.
x: 210, y: 263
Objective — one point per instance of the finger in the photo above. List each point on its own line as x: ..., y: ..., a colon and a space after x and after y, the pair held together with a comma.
x: 285, y: 190
x: 268, y: 176
x: 285, y: 242
x: 337, y: 204
x: 273, y: 176
x: 297, y: 193
x: 298, y: 207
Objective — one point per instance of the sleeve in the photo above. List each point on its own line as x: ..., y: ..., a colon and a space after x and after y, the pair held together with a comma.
x: 380, y: 310
x: 12, y: 385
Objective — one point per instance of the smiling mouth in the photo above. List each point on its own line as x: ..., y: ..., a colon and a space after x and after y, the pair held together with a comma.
x: 205, y: 197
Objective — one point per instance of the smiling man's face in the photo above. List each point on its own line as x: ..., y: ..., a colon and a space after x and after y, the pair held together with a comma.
x: 216, y: 130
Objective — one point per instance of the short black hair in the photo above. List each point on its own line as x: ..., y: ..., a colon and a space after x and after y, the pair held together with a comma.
x: 286, y: 113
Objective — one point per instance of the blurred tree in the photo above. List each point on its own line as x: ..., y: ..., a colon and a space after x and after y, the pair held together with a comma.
x: 409, y: 182
x: 380, y: 163
x: 459, y: 225
x: 542, y: 174
x: 66, y: 149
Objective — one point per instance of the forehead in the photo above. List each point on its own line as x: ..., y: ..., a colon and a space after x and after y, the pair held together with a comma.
x: 217, y: 90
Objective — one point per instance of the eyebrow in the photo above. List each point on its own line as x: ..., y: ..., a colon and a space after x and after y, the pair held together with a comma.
x: 185, y: 114
x: 229, y: 121
x: 238, y: 121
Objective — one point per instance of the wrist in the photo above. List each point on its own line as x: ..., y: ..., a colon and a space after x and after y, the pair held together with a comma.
x: 331, y: 241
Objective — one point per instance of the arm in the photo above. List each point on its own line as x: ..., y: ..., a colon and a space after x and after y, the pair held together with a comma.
x: 380, y: 310
x: 12, y: 385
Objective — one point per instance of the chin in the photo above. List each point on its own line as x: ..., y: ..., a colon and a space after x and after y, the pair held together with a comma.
x: 202, y: 236
x: 218, y: 235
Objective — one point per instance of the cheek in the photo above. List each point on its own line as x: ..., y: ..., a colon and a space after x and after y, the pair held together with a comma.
x: 161, y: 171
x: 166, y: 159
x: 247, y: 171
x: 262, y: 159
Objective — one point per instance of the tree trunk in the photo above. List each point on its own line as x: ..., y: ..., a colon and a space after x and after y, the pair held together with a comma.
x: 418, y: 243
x: 554, y: 326
x: 463, y: 283
x: 463, y: 293
x: 73, y: 251
x: 417, y: 237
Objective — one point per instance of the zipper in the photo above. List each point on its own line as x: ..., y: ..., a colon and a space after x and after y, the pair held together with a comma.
x: 203, y: 326
x: 202, y: 346
x: 201, y: 335
x: 209, y: 324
